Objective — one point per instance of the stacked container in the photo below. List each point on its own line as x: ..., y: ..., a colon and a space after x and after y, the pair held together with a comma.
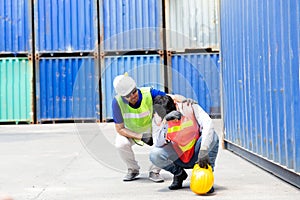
x: 16, y: 68
x: 67, y: 89
x: 192, y: 42
x: 131, y: 41
x: 260, y: 69
x: 196, y: 75
x: 192, y: 24
x: 66, y: 60
x: 131, y: 25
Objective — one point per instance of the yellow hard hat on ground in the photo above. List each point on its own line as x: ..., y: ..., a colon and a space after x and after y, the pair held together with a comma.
x: 202, y: 179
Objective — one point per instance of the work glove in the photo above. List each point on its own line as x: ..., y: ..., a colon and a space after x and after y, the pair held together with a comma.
x: 173, y: 115
x: 189, y: 101
x: 203, y: 159
x: 147, y: 138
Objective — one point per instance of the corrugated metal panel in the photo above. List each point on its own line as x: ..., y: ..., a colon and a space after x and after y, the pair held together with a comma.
x: 16, y: 97
x: 131, y: 25
x: 260, y: 66
x: 192, y: 24
x: 147, y: 70
x: 65, y: 26
x: 67, y: 89
x: 197, y: 76
x: 15, y: 26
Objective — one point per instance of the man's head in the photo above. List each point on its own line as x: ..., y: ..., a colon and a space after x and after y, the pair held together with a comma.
x: 163, y: 105
x: 124, y: 84
x: 126, y: 87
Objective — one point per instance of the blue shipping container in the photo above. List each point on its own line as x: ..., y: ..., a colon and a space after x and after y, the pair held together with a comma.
x: 146, y: 70
x: 131, y: 25
x: 67, y: 89
x: 65, y: 26
x: 197, y: 76
x: 260, y: 42
x: 15, y: 26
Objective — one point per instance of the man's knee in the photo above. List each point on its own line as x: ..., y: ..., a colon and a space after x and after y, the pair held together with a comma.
x: 122, y: 146
x: 155, y: 155
x: 122, y: 143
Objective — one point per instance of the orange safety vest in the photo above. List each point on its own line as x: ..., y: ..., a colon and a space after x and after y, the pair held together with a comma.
x: 184, y: 134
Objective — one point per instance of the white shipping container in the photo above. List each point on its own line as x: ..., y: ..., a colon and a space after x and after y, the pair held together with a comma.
x: 192, y: 24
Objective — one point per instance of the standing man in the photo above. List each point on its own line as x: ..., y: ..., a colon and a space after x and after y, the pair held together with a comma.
x: 183, y: 135
x: 132, y: 113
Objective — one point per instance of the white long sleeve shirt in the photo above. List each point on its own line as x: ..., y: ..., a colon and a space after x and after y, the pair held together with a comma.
x: 205, y: 122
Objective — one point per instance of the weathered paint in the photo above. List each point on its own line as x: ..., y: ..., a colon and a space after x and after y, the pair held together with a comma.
x: 65, y: 26
x: 15, y: 26
x: 197, y: 76
x: 261, y: 78
x: 16, y: 87
x: 192, y: 24
x: 130, y: 25
x: 67, y: 89
x: 146, y: 70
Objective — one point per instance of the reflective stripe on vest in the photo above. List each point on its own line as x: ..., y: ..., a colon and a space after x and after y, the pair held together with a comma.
x: 184, y: 134
x: 138, y: 119
x: 136, y: 115
x: 188, y: 146
x: 182, y: 126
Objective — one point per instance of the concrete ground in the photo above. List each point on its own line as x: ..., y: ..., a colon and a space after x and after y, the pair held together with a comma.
x: 79, y: 162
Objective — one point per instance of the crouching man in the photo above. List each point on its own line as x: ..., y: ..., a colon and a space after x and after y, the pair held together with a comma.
x: 183, y: 135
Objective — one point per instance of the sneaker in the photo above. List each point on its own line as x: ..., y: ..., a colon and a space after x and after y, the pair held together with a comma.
x: 156, y: 177
x: 131, y: 175
x: 177, y: 181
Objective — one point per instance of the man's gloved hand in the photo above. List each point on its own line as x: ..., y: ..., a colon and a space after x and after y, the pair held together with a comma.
x: 147, y: 138
x: 173, y: 115
x: 203, y: 159
x: 189, y: 101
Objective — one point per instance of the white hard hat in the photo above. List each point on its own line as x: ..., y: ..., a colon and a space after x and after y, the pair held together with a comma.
x: 124, y: 84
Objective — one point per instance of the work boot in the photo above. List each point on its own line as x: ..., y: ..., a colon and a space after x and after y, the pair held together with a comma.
x: 177, y: 181
x: 156, y: 177
x: 131, y: 175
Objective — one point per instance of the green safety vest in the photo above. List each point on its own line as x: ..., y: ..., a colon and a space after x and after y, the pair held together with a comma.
x: 139, y: 119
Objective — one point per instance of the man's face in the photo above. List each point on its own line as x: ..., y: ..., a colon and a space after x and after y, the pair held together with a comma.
x: 133, y: 96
